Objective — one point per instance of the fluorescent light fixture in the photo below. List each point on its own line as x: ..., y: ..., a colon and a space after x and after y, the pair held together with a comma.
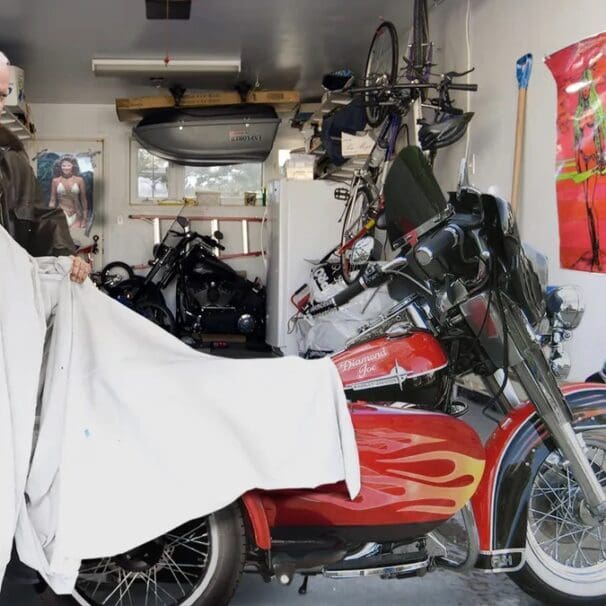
x: 157, y: 67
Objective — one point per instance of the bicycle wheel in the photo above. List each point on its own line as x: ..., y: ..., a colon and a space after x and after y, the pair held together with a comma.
x: 114, y: 273
x: 420, y: 48
x: 381, y: 68
x: 356, y: 215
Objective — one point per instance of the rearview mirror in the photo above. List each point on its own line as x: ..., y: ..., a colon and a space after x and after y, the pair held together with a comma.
x: 566, y: 304
x: 362, y: 251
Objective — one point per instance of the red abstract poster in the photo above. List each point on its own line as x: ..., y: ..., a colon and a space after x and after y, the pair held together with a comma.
x: 580, y: 74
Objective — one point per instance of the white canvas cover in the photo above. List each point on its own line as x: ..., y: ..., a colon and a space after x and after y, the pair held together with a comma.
x: 138, y: 432
x: 330, y: 331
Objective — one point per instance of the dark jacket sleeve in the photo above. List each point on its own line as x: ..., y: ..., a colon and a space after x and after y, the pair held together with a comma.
x: 40, y: 230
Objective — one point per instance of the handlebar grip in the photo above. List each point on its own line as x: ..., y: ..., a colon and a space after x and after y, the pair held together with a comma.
x: 435, y: 245
x: 347, y: 294
x: 457, y: 86
x: 373, y: 277
x: 212, y: 242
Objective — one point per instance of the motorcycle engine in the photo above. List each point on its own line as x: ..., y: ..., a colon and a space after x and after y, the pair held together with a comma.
x: 246, y: 324
x: 225, y: 320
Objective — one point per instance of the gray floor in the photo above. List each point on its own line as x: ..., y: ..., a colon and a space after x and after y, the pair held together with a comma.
x: 439, y: 588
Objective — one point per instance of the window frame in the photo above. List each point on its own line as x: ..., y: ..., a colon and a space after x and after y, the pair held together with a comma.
x: 175, y: 180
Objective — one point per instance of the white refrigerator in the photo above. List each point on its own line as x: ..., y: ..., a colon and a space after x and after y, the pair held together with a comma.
x: 303, y: 222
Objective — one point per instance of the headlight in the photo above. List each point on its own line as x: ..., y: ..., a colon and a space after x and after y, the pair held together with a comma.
x: 561, y: 365
x: 566, y: 304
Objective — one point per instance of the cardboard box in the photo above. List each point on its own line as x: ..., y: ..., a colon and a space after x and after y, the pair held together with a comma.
x: 208, y: 198
x: 300, y: 167
x: 274, y: 96
x: 134, y: 108
x: 356, y: 145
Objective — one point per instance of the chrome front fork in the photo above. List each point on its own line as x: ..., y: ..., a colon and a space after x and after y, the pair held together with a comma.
x: 526, y: 361
x: 537, y: 379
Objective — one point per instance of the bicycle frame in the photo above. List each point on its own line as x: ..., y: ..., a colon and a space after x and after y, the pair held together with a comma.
x: 387, y: 138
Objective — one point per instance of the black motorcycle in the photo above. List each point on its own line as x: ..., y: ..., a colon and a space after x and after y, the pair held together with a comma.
x: 211, y: 297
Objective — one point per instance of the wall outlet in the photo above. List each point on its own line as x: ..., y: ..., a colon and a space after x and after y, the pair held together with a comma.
x: 120, y: 220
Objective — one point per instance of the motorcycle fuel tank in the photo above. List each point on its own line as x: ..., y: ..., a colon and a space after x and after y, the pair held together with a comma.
x: 418, y: 468
x: 405, y: 368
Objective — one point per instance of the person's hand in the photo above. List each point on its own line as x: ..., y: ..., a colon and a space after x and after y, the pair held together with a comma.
x: 80, y: 270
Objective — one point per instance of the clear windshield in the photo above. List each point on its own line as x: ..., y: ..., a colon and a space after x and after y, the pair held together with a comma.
x: 174, y: 233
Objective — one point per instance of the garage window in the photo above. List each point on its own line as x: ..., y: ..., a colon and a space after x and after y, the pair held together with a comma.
x: 152, y: 177
x: 155, y: 180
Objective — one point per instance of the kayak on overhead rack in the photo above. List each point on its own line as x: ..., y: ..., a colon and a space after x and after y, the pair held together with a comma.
x: 208, y: 136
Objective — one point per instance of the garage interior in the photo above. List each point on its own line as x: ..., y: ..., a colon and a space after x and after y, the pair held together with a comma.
x: 236, y: 173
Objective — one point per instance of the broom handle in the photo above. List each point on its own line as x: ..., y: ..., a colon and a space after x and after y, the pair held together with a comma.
x: 517, y: 154
x: 523, y: 69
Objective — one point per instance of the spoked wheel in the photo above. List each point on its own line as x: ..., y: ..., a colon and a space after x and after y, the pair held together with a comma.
x: 356, y: 215
x: 381, y: 68
x: 197, y: 564
x: 566, y: 544
x: 419, y: 58
x: 157, y: 313
x: 114, y: 273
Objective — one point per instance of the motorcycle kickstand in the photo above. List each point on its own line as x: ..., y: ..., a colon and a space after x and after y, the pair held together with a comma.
x: 303, y: 588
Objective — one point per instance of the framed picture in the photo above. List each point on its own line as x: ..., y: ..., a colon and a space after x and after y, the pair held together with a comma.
x: 69, y: 177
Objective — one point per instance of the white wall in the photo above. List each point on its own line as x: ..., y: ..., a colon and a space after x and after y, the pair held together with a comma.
x: 501, y: 32
x: 131, y: 240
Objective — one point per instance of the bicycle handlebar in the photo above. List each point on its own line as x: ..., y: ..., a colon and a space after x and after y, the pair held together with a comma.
x: 445, y: 83
x: 389, y: 87
x: 211, y: 242
x: 373, y: 276
x: 468, y: 87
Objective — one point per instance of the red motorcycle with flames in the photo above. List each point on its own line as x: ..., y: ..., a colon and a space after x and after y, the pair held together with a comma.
x: 531, y: 499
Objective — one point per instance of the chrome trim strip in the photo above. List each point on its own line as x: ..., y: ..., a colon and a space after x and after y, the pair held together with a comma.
x: 521, y: 565
x: 394, y: 570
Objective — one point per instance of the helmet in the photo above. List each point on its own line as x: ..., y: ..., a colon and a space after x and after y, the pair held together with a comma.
x: 445, y: 132
x: 344, y: 78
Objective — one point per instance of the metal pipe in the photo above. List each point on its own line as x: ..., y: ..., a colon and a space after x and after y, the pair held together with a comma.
x: 473, y: 550
x: 156, y: 228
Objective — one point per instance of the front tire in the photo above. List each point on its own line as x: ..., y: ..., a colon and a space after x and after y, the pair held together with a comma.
x: 212, y: 583
x: 566, y: 547
x: 158, y: 314
x: 381, y: 69
x: 356, y: 215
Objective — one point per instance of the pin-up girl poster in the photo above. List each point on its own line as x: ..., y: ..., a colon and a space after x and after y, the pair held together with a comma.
x: 66, y: 181
x: 580, y: 74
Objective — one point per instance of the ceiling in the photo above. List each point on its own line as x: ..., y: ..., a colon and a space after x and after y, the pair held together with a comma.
x: 282, y: 43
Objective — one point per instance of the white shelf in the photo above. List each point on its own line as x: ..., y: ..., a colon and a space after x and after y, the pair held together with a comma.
x: 9, y: 120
